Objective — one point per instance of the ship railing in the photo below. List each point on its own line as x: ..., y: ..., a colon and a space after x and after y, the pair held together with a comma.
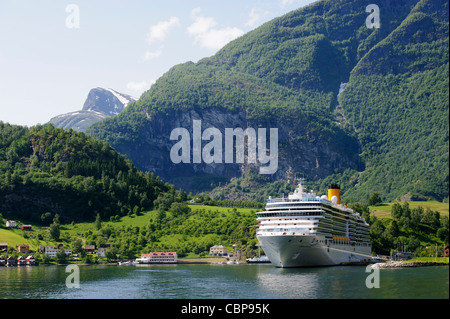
x: 304, y: 199
x: 282, y: 233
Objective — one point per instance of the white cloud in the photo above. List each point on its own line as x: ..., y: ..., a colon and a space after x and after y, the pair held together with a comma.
x: 158, y: 32
x: 209, y: 37
x: 254, y: 17
x: 139, y: 87
x: 301, y: 3
x: 150, y: 55
x: 285, y: 3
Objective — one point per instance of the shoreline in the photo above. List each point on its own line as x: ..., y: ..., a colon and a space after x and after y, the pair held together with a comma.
x: 403, y: 264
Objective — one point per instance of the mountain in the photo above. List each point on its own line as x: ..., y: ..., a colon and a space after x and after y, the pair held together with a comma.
x: 106, y: 101
x: 44, y: 169
x: 364, y: 107
x: 100, y: 104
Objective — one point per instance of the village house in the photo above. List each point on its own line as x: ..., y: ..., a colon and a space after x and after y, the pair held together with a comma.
x: 11, y: 261
x: 101, y: 252
x: 31, y: 261
x: 3, y: 246
x: 11, y: 223
x: 89, y: 249
x: 2, y: 261
x: 26, y: 227
x: 21, y: 261
x: 23, y: 248
x: 51, y: 251
x: 42, y: 249
x: 218, y: 250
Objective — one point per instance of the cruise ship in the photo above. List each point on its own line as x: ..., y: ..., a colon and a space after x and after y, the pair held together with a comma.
x: 305, y: 230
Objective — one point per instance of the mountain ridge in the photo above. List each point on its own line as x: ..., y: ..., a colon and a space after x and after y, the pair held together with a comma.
x: 100, y: 104
x: 288, y: 72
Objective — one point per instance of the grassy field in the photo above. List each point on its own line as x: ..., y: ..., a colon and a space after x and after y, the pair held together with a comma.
x: 13, y: 239
x: 429, y: 259
x: 384, y: 211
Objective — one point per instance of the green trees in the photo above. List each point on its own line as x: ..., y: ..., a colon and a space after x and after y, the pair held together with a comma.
x: 415, y: 228
x: 98, y: 222
x: 77, y: 246
x: 61, y: 257
x: 180, y: 229
x: 411, y: 229
x: 53, y: 171
x: 374, y: 199
x: 55, y: 228
x: 179, y: 209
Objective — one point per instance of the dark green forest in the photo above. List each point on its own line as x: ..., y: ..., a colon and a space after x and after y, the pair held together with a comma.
x: 48, y: 170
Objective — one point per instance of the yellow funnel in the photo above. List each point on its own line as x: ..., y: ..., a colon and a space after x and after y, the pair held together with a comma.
x: 334, y: 190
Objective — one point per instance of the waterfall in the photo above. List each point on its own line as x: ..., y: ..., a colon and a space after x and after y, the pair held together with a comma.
x: 342, y: 88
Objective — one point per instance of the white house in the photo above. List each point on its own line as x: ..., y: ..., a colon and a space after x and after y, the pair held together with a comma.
x: 101, y: 252
x: 11, y: 223
x: 218, y: 250
x: 51, y: 252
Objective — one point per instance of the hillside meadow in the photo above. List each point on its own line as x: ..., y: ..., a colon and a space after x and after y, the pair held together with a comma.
x: 190, y: 234
x: 384, y: 210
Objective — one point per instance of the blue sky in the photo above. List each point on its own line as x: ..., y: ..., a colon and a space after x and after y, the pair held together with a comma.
x: 53, y: 52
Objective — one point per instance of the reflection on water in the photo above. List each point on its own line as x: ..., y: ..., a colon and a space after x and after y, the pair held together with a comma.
x: 289, y: 283
x: 221, y: 282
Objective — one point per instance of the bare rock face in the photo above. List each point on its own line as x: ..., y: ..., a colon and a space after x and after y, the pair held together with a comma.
x: 299, y: 149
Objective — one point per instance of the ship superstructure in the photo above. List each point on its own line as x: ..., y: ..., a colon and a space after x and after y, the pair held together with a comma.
x: 307, y: 230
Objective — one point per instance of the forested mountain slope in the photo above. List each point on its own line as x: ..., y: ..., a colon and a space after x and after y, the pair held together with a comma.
x: 387, y: 131
x: 48, y: 170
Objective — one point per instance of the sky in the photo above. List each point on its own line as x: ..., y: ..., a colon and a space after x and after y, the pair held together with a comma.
x: 52, y: 53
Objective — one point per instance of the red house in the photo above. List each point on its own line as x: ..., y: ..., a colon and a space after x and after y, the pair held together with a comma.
x: 26, y: 227
x: 21, y: 261
x: 31, y: 261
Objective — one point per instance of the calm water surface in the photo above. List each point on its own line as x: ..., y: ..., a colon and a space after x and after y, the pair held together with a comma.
x: 222, y: 282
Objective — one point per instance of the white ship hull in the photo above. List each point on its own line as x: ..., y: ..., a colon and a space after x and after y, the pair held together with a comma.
x: 308, y: 251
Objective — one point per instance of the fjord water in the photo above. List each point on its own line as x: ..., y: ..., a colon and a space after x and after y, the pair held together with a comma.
x: 222, y: 282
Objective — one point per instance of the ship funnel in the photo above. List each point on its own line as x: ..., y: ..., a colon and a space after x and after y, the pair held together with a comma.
x: 334, y: 190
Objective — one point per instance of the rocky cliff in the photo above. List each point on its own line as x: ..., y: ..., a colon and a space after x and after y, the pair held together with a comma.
x: 300, y: 149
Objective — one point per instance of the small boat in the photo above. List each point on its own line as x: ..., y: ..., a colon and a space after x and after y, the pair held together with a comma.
x: 259, y: 260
